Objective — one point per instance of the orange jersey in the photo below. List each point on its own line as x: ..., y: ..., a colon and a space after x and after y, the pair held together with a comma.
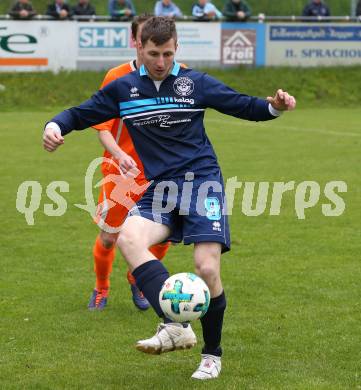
x: 117, y: 127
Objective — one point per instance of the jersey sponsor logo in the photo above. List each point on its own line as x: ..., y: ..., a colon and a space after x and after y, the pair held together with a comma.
x: 163, y: 102
x: 183, y: 86
x: 162, y: 120
x: 134, y: 92
x: 184, y: 100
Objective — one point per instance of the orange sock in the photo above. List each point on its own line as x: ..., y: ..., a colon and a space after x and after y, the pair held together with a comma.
x: 130, y: 278
x: 159, y: 251
x: 103, y: 262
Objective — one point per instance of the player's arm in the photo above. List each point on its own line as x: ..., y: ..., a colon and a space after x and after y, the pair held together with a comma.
x: 226, y: 100
x: 101, y: 107
x: 107, y: 140
x: 105, y: 136
x: 112, y: 75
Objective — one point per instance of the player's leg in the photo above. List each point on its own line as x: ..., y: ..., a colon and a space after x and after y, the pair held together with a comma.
x: 112, y: 215
x: 109, y: 214
x: 136, y: 236
x: 207, y: 257
x: 206, y: 226
x: 159, y: 251
x: 104, y: 253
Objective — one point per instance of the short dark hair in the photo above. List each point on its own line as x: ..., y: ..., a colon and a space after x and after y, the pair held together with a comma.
x: 158, y: 29
x: 137, y: 21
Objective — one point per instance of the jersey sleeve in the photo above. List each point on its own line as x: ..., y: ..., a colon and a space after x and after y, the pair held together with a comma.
x: 101, y: 107
x: 108, y: 125
x: 226, y: 100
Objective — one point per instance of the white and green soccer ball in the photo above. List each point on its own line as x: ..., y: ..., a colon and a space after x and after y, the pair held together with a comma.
x: 184, y: 297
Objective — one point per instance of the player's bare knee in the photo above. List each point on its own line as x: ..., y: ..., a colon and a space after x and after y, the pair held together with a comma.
x: 108, y: 239
x: 208, y: 272
x: 128, y: 241
x: 125, y: 241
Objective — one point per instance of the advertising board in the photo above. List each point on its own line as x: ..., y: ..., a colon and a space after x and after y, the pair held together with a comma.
x: 313, y: 44
x: 242, y: 44
x: 37, y: 46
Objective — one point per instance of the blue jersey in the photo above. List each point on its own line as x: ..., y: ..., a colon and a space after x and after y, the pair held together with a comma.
x: 166, y: 125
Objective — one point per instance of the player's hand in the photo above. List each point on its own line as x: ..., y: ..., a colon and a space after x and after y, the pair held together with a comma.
x: 282, y: 101
x: 52, y: 139
x: 126, y: 163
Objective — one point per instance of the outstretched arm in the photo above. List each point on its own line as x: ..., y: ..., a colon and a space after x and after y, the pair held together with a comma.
x: 228, y: 101
x: 101, y: 107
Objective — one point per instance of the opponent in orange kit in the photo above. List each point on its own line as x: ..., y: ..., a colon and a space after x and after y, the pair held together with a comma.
x: 115, y: 138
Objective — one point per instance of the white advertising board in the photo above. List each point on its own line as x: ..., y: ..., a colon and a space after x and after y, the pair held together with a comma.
x: 306, y: 44
x: 37, y: 46
x: 102, y: 43
x: 52, y: 45
x: 199, y: 42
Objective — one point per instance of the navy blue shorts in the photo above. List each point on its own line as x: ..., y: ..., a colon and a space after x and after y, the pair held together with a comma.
x: 193, y: 208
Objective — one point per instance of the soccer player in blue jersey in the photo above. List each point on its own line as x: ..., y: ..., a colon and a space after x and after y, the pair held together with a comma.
x: 163, y: 107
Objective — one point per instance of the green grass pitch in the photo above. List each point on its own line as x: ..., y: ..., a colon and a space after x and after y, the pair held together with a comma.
x: 293, y: 286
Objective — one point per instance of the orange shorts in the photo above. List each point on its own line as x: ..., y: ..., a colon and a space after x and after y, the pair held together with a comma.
x: 113, y: 209
x: 115, y: 199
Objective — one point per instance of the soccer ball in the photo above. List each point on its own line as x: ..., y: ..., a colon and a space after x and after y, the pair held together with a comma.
x: 184, y: 297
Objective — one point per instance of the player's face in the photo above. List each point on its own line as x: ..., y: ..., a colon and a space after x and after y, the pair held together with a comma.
x: 158, y: 59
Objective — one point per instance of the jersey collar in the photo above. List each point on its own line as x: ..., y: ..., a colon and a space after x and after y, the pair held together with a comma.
x: 133, y: 65
x: 175, y: 70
